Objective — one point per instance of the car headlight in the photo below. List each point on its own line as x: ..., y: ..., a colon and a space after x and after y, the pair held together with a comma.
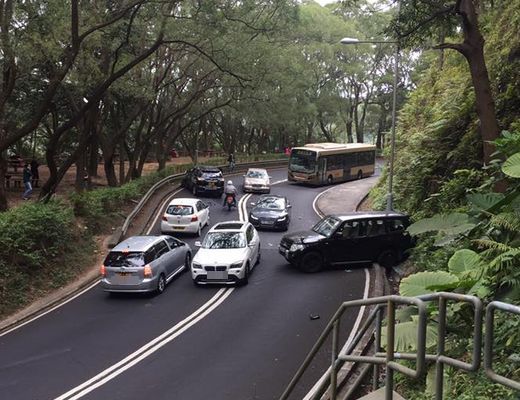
x: 296, y: 247
x: 253, y: 217
x: 196, y: 266
x: 236, y: 265
x: 282, y: 218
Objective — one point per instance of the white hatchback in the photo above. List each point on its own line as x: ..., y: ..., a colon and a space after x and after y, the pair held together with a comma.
x: 228, y: 253
x: 185, y: 215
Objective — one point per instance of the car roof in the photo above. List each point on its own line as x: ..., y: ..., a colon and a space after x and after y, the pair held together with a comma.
x: 257, y: 169
x: 184, y: 201
x: 138, y: 243
x: 230, y: 226
x: 369, y: 214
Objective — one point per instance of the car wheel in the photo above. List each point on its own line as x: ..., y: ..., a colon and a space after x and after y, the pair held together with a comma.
x: 360, y: 174
x: 187, y: 262
x: 258, y: 257
x: 161, y: 284
x: 194, y: 190
x: 311, y: 262
x: 330, y: 181
x: 387, y: 258
x: 245, y: 279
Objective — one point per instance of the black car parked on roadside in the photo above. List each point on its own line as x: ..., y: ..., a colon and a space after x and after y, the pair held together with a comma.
x: 203, y: 179
x: 361, y: 237
x: 271, y: 212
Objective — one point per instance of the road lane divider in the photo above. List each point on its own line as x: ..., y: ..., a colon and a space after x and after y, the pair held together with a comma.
x: 148, y: 349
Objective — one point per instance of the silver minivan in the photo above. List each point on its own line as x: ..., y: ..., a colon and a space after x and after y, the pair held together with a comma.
x: 144, y: 264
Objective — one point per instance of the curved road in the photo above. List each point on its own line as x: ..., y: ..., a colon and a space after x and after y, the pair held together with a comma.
x: 191, y: 342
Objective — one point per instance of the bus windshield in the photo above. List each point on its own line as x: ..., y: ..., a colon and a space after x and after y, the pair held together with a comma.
x: 303, y: 161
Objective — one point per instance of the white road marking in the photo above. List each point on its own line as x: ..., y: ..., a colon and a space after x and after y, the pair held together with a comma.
x: 148, y: 349
x: 353, y: 332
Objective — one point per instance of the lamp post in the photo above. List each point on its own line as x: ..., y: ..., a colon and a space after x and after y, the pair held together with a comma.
x: 390, y: 194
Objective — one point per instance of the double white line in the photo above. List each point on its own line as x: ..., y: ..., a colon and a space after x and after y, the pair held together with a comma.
x: 146, y: 350
x: 160, y: 341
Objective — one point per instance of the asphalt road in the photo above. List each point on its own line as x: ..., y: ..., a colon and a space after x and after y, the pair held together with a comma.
x: 191, y: 342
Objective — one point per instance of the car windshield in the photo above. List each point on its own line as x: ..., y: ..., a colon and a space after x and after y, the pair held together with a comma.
x: 326, y: 226
x: 124, y: 259
x: 211, y: 174
x: 303, y: 161
x: 179, y: 210
x: 224, y: 240
x: 256, y: 174
x: 271, y: 203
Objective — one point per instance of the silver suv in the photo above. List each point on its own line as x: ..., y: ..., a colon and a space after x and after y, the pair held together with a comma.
x: 144, y: 264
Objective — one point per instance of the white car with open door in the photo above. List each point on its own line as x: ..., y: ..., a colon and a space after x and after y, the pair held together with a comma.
x: 227, y: 255
x: 185, y: 215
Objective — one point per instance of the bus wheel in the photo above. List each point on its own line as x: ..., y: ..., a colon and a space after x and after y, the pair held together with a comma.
x: 329, y: 180
x: 359, y: 175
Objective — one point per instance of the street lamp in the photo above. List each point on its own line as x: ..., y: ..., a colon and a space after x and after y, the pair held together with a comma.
x: 390, y: 194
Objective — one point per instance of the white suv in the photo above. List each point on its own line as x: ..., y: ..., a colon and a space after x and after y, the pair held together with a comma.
x: 228, y: 253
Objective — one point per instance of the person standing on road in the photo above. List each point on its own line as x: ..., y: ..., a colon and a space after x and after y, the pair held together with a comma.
x: 231, y: 161
x: 27, y: 175
x: 35, y: 173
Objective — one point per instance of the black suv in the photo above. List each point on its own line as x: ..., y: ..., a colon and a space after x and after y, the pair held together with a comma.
x: 361, y: 237
x: 204, y: 180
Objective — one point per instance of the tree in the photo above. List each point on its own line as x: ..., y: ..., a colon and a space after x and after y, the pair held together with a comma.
x: 420, y: 21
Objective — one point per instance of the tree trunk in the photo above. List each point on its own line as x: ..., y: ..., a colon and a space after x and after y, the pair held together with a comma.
x: 80, y: 173
x: 110, y: 171
x: 3, y: 171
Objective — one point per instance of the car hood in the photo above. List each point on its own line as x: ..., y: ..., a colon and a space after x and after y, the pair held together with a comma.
x: 256, y: 181
x: 264, y: 213
x: 220, y: 256
x: 303, y: 237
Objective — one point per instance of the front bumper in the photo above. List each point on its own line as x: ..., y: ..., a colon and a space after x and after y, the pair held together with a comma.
x: 227, y: 277
x: 256, y: 189
x: 263, y: 224
x: 291, y: 256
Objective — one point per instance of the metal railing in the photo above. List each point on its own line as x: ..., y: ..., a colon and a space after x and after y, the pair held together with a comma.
x: 178, y: 177
x: 373, y: 324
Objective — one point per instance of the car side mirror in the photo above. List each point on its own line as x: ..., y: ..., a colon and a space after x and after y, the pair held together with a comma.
x: 198, y: 243
x: 289, y: 205
x: 270, y: 177
x: 253, y: 204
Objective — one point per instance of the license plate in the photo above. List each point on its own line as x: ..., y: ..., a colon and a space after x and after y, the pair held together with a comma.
x: 124, y: 273
x: 212, y: 185
x: 178, y: 228
x: 217, y: 275
x: 267, y: 222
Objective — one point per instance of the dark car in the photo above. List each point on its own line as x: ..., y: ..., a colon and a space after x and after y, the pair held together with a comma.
x: 271, y: 212
x: 204, y: 180
x: 361, y: 237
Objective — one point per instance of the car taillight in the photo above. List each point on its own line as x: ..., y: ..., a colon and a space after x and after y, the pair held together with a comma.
x: 102, y: 270
x: 194, y: 218
x: 147, y: 270
x: 164, y: 218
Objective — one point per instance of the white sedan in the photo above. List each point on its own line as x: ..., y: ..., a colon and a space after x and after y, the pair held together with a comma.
x: 185, y: 215
x: 228, y: 253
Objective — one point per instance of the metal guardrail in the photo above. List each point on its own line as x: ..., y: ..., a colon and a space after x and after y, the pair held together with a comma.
x: 388, y: 358
x: 173, y: 178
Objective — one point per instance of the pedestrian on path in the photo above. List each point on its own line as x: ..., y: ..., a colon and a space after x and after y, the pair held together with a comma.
x: 27, y: 176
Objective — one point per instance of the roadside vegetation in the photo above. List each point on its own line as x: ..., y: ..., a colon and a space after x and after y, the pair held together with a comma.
x: 466, y: 208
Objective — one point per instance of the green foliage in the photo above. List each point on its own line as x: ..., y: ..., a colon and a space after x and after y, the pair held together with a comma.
x: 512, y: 166
x: 34, y: 233
x: 423, y: 282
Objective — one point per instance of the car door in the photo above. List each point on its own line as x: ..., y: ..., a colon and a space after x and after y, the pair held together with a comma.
x: 161, y: 262
x: 176, y: 254
x: 253, y: 242
x: 202, y: 212
x: 348, y: 243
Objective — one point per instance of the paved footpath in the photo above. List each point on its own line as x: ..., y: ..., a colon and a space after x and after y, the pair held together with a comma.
x: 345, y: 197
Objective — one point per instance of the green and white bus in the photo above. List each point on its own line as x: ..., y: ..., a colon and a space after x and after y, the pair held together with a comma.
x: 327, y: 163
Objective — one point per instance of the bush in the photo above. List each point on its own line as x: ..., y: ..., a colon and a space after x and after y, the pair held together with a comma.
x: 32, y: 234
